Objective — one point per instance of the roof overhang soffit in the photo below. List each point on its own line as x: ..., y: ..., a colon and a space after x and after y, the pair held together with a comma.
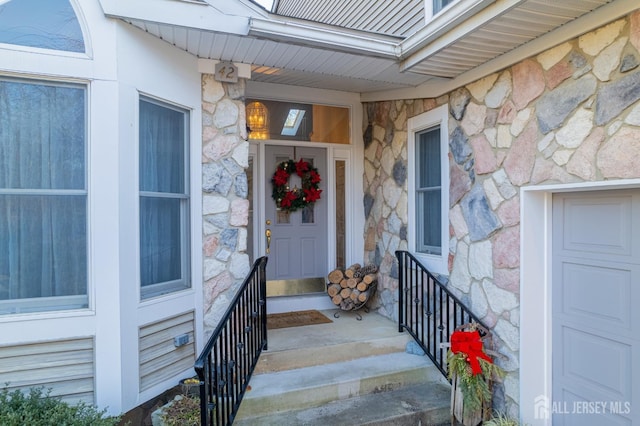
x: 232, y: 18
x: 454, y: 23
x: 352, y: 41
x: 458, y: 21
x: 248, y: 22
x: 607, y: 13
x: 413, y: 55
x: 187, y: 14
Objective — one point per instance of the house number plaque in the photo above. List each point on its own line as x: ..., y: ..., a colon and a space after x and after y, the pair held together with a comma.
x: 226, y: 72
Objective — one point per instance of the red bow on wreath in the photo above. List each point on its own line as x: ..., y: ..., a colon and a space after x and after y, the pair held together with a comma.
x: 469, y: 343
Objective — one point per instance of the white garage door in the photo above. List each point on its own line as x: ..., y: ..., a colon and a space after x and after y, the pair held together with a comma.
x: 596, y: 308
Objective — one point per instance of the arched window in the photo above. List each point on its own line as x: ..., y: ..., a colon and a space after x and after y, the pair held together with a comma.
x: 46, y: 24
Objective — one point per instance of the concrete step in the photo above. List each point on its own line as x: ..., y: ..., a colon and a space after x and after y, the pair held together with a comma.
x: 307, y: 355
x: 352, y: 371
x: 343, y: 339
x: 318, y: 385
x: 426, y: 404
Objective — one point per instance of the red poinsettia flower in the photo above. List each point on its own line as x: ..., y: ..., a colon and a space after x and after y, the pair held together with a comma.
x: 469, y: 343
x: 314, y: 177
x: 302, y: 167
x: 312, y: 194
x: 280, y: 177
x: 289, y: 197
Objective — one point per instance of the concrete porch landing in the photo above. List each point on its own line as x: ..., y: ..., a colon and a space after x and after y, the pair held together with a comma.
x: 347, y: 372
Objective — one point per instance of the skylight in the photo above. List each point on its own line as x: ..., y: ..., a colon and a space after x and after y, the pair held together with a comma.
x: 291, y: 124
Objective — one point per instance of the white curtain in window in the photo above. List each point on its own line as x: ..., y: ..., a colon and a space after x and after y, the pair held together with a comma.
x: 43, y: 223
x: 163, y: 193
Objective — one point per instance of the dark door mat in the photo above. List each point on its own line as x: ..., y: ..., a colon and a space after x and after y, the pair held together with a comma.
x: 296, y: 319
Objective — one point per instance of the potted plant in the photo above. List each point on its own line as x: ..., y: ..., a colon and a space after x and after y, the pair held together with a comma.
x: 190, y: 386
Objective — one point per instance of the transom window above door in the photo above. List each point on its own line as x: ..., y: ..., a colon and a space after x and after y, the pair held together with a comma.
x: 297, y: 121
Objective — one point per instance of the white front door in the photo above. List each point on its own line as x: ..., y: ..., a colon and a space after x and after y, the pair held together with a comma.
x: 595, y: 317
x: 299, y: 239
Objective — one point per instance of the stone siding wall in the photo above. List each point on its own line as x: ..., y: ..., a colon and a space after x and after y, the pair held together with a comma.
x: 570, y: 114
x: 225, y: 207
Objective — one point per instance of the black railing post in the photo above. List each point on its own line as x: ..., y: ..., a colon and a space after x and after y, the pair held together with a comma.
x: 203, y: 396
x: 229, y: 357
x: 263, y: 303
x: 428, y: 315
x: 401, y: 278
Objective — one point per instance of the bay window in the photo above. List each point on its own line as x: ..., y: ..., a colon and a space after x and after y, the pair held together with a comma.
x: 43, y: 196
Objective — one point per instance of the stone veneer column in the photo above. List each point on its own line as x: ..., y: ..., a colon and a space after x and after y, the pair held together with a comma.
x: 385, y: 191
x: 225, y: 207
x: 570, y: 114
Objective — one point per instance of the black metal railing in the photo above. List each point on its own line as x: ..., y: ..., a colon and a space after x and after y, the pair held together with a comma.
x: 428, y: 310
x: 227, y: 361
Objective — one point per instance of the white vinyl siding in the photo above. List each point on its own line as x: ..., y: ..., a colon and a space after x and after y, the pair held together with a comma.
x: 160, y: 359
x: 393, y: 17
x: 64, y: 366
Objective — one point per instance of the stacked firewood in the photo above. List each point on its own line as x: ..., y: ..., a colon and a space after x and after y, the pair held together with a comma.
x: 353, y: 287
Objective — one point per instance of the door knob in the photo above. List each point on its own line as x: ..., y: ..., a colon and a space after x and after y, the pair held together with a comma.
x: 267, y: 234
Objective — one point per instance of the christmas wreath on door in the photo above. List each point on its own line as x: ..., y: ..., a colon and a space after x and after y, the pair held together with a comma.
x: 288, y: 199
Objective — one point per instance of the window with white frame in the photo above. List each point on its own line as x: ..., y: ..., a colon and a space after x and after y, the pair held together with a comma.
x: 438, y: 5
x: 164, y: 198
x: 429, y: 188
x: 43, y: 196
x: 434, y: 7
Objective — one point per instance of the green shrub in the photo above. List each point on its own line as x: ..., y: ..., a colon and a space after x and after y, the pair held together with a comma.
x: 38, y: 408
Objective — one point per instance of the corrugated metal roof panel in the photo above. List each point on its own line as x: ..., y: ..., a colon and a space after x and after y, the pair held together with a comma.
x: 393, y: 17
